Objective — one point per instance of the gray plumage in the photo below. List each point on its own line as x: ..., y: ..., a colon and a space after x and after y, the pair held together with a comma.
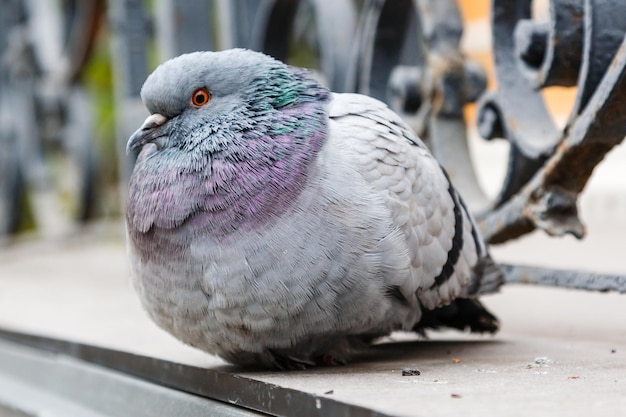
x: 278, y: 224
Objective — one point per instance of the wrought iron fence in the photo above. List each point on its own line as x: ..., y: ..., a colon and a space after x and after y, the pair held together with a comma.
x: 407, y: 53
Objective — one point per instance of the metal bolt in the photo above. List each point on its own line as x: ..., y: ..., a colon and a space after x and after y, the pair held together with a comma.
x: 404, y: 89
x: 489, y: 121
x: 531, y: 41
x: 475, y: 80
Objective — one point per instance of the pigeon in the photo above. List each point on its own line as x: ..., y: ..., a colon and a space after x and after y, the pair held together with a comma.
x: 279, y: 225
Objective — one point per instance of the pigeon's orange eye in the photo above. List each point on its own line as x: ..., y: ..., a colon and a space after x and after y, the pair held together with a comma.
x: 200, y: 97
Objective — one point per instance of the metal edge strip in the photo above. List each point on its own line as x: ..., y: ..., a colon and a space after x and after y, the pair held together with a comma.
x: 217, y: 385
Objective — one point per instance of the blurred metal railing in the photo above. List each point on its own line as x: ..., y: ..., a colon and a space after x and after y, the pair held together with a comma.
x: 46, y: 152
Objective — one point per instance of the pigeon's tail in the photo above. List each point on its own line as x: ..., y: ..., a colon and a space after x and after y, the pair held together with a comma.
x: 467, y: 312
x: 461, y: 314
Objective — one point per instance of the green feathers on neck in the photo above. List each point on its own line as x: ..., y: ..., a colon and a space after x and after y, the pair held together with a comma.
x: 285, y: 99
x: 287, y: 96
x: 280, y: 87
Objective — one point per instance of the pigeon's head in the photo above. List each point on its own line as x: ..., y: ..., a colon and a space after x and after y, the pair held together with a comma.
x: 200, y: 101
x: 230, y: 133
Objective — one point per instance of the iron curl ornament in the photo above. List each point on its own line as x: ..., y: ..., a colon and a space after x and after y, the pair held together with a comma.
x: 584, y: 45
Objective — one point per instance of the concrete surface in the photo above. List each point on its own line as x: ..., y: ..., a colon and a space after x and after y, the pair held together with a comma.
x: 559, y: 352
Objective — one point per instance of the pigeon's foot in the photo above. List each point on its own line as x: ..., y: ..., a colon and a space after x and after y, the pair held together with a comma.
x: 329, y: 359
x: 285, y: 362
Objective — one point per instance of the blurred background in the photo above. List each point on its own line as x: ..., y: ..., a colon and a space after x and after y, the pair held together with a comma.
x: 71, y: 72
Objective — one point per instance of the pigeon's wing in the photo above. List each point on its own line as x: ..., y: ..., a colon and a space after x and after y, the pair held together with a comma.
x: 448, y: 256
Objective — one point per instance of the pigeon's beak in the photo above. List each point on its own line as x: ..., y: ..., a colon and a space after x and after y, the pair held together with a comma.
x: 148, y: 132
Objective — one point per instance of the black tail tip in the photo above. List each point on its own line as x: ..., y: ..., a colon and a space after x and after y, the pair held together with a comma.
x: 461, y: 314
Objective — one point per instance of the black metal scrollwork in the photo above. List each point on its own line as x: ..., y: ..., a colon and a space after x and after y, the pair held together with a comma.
x: 548, y: 167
